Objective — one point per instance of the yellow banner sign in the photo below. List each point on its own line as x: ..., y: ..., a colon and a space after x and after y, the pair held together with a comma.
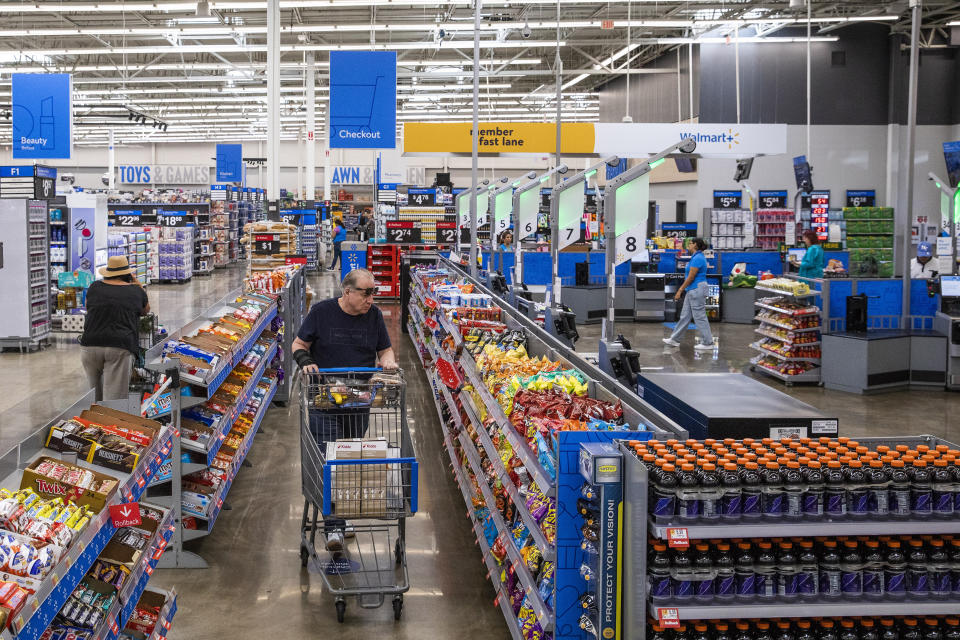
x: 498, y: 137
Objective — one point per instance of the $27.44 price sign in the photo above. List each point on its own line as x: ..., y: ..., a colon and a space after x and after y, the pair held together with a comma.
x: 403, y: 231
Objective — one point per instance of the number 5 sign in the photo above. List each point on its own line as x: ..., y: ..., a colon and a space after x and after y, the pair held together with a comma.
x: 629, y: 244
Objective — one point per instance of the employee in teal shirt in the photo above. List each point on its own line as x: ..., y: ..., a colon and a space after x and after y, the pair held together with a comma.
x: 695, y: 303
x: 812, y: 264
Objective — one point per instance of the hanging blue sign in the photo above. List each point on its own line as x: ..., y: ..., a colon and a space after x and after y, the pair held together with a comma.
x: 613, y: 172
x: 363, y: 99
x: 229, y: 163
x: 42, y: 115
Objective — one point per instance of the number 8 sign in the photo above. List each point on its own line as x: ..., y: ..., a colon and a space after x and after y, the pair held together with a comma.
x: 629, y: 244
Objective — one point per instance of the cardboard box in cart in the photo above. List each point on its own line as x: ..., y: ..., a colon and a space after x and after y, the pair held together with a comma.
x: 345, y: 490
x: 373, y: 478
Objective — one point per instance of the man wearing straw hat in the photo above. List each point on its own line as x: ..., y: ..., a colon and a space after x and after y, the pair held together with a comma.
x: 111, y: 329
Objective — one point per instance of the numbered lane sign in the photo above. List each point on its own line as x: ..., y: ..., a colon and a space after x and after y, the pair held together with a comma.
x: 629, y: 244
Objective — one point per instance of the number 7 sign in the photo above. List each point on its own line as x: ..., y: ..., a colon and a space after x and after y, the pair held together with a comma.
x: 568, y: 236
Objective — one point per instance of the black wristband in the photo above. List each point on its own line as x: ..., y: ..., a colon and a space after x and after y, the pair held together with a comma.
x: 303, y: 358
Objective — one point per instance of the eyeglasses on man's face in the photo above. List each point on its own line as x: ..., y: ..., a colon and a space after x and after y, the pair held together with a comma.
x: 366, y: 293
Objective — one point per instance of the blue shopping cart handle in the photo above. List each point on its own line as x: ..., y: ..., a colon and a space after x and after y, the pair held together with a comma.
x: 350, y: 370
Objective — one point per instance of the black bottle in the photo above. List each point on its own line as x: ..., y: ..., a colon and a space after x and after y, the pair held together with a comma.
x: 868, y: 630
x: 888, y: 629
x: 847, y: 630
x: 910, y: 630
x: 744, y: 574
x: 918, y: 583
x: 931, y: 629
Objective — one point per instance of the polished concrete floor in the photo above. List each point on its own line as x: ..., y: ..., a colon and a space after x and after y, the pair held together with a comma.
x: 255, y: 586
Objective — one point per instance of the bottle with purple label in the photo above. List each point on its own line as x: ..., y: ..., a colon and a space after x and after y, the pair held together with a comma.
x: 813, y: 492
x: 703, y: 573
x: 851, y: 570
x: 793, y: 490
x: 744, y: 574
x: 808, y: 576
x: 830, y: 570
x: 688, y: 493
x: 723, y: 562
x: 895, y: 570
x: 955, y: 565
x: 941, y: 484
x: 899, y: 489
x: 873, y: 565
x: 939, y: 572
x: 858, y: 496
x: 835, y: 491
x: 681, y: 571
x: 921, y: 492
x: 787, y: 571
x: 750, y: 489
x: 664, y: 503
x: 710, y: 492
x: 730, y: 502
x: 661, y: 581
x: 765, y: 568
x: 878, y: 490
x: 918, y: 585
x: 772, y: 496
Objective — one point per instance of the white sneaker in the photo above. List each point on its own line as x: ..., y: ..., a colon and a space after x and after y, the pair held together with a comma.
x: 335, y: 542
x: 703, y: 347
x: 671, y: 342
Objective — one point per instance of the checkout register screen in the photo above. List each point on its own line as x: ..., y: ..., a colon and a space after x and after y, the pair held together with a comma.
x: 950, y: 286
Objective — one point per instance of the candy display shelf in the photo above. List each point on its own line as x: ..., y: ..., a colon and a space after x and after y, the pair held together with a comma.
x: 204, y: 388
x: 781, y: 319
x: 554, y: 607
x: 786, y: 294
x: 780, y: 356
x: 53, y: 592
x: 165, y: 619
x: 640, y: 606
x: 773, y: 336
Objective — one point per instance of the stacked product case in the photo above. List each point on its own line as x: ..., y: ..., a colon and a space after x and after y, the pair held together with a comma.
x: 772, y: 227
x: 870, y: 240
x: 731, y: 229
x: 133, y: 243
x: 782, y: 561
x: 176, y: 254
x: 469, y: 440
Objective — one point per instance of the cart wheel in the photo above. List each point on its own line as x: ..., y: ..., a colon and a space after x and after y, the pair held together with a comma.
x: 397, y: 607
x: 304, y: 556
x: 396, y: 553
x: 341, y: 610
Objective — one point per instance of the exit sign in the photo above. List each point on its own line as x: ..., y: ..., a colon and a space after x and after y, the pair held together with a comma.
x: 606, y: 24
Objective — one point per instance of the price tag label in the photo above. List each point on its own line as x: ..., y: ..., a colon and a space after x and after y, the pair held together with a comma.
x: 865, y: 198
x: 403, y: 232
x: 446, y: 232
x: 125, y: 218
x: 727, y: 199
x: 422, y: 197
x: 266, y: 244
x: 668, y: 617
x: 677, y: 538
x: 125, y: 515
x: 772, y: 199
x: 172, y: 218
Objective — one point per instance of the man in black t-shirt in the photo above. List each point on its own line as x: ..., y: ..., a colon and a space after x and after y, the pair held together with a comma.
x: 344, y: 332
x: 111, y: 329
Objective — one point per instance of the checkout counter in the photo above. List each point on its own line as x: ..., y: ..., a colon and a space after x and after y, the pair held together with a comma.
x: 871, y: 352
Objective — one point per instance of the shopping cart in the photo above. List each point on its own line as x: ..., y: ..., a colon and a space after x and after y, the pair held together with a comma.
x: 375, y: 493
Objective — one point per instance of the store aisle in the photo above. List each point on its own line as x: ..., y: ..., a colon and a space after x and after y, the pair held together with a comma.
x: 255, y: 586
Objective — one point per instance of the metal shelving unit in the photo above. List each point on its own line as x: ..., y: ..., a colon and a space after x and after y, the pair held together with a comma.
x: 784, y: 316
x: 640, y: 526
x: 425, y: 324
x: 25, y: 276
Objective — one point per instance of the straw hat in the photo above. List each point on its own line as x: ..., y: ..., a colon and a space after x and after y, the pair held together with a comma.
x: 116, y: 266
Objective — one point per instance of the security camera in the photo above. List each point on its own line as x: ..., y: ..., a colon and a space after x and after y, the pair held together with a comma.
x: 105, y: 179
x: 532, y: 175
x: 562, y: 169
x: 526, y: 32
x: 613, y: 161
x: 688, y: 146
x: 69, y: 178
x: 504, y: 179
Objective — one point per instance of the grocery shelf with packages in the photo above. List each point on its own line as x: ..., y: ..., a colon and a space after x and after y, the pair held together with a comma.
x: 521, y: 498
x: 51, y: 583
x: 788, y: 319
x: 793, y: 529
x: 226, y: 357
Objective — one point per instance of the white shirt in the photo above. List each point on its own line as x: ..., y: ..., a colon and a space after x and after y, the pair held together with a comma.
x: 918, y: 271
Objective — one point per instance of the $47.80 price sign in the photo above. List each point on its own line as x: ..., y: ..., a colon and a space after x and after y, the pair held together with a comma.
x: 403, y: 232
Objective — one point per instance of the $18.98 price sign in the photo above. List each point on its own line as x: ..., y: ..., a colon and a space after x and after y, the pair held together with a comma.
x: 403, y: 232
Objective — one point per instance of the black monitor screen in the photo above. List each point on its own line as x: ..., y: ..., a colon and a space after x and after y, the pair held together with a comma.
x: 743, y: 169
x: 951, y: 154
x: 685, y: 164
x: 801, y: 169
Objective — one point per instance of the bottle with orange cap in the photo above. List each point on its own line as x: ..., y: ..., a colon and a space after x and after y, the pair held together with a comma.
x: 921, y: 492
x: 857, y: 493
x: 941, y: 484
x: 878, y: 490
x: 939, y: 573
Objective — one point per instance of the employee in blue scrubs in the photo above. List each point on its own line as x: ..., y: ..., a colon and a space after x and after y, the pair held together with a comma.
x: 695, y: 303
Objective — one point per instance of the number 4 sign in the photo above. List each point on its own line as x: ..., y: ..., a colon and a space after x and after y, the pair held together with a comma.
x: 629, y: 244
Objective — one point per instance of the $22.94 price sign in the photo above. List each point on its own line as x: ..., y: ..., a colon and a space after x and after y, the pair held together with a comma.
x: 446, y: 233
x: 403, y: 231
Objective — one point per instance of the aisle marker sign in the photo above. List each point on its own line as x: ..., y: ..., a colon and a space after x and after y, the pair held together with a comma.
x: 42, y: 115
x: 363, y: 99
x: 229, y: 163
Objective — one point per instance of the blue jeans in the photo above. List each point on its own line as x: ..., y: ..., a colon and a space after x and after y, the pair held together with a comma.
x: 329, y: 427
